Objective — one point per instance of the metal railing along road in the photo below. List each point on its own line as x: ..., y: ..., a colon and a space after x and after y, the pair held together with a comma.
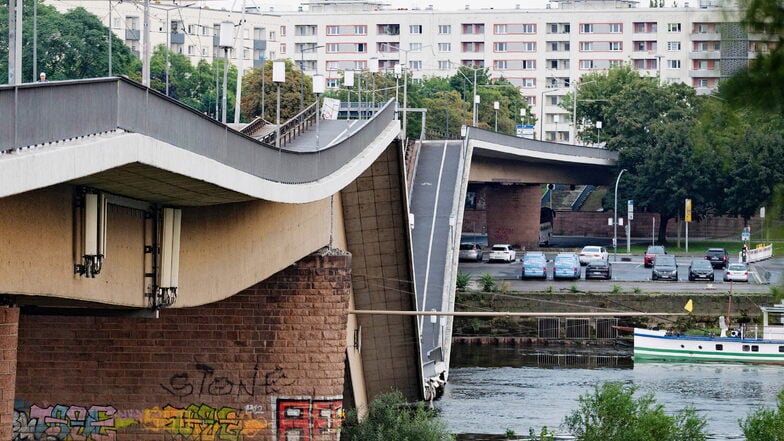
x: 40, y: 113
x: 542, y: 146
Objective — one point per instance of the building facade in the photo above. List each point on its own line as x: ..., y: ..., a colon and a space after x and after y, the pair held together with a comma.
x: 543, y: 51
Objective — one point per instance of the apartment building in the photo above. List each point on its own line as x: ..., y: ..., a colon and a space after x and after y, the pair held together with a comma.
x: 543, y: 51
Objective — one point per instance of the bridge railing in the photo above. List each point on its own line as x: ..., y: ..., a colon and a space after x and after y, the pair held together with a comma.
x: 37, y: 114
x: 543, y: 146
x: 294, y: 126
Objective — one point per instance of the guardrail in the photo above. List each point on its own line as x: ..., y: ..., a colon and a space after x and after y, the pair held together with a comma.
x: 294, y: 126
x: 38, y: 114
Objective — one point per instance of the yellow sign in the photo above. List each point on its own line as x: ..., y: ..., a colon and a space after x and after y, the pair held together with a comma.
x: 688, y: 210
x: 689, y: 306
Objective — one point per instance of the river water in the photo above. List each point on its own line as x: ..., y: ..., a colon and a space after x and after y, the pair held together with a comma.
x: 492, y: 389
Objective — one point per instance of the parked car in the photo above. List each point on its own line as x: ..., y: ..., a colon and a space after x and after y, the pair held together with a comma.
x: 736, y: 272
x: 502, y: 252
x: 718, y: 257
x: 534, y: 265
x: 665, y: 267
x: 650, y: 254
x: 598, y: 269
x: 566, y: 266
x: 470, y: 251
x: 591, y: 252
x: 700, y: 269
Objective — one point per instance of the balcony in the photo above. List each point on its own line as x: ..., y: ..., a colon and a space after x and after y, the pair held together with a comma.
x: 705, y: 55
x: 132, y: 34
x: 177, y: 38
x: 705, y: 36
x: 259, y: 45
x: 705, y: 73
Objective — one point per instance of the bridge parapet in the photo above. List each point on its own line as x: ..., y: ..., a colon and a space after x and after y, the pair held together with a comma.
x: 39, y: 114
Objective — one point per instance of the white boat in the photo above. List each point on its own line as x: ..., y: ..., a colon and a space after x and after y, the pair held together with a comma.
x: 746, y: 344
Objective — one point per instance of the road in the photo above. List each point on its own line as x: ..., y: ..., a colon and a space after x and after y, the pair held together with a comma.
x: 433, y: 205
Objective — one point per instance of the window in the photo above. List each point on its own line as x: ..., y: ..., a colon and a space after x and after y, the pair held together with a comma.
x: 272, y: 36
x: 673, y: 64
x: 444, y: 29
x: 702, y: 28
x: 500, y: 64
x: 205, y: 52
x: 673, y: 46
x: 553, y: 28
x: 500, y: 47
x: 443, y: 65
x: 333, y: 47
x: 333, y: 83
x: 529, y: 82
x: 528, y: 64
x: 529, y: 46
x: 444, y: 47
x: 191, y: 50
x: 283, y: 48
x: 500, y: 29
x: 415, y: 29
x: 193, y: 29
x: 473, y: 28
x: 754, y: 348
x: 616, y: 46
x: 283, y: 31
x: 415, y: 64
x: 586, y: 64
x: 360, y: 30
x: 333, y: 30
x: 332, y: 65
x: 586, y: 46
x: 673, y: 27
x: 745, y: 348
x: 529, y: 28
x: 477, y: 46
x: 719, y: 347
x: 415, y: 47
x: 586, y: 28
x: 616, y: 28
x: 781, y: 348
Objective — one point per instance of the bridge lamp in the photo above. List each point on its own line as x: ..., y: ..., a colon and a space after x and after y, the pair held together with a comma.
x: 348, y: 83
x: 319, y: 85
x: 225, y: 41
x: 496, y: 106
x: 278, y: 77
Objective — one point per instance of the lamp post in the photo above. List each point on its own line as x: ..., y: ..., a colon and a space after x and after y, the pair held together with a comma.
x: 319, y: 83
x: 278, y: 77
x: 302, y: 71
x: 496, y: 106
x: 398, y: 70
x: 373, y: 69
x: 598, y: 131
x: 476, y: 100
x: 615, y: 218
x: 348, y: 83
x: 226, y: 41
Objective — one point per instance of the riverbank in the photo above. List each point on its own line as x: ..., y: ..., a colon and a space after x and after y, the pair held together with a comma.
x: 662, y: 309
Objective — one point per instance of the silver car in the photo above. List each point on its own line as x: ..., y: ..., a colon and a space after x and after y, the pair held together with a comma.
x: 736, y: 272
x: 470, y: 251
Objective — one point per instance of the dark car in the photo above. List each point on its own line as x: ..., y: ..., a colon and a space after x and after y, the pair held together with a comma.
x: 664, y: 268
x: 700, y: 269
x: 650, y: 254
x: 718, y: 257
x: 598, y: 269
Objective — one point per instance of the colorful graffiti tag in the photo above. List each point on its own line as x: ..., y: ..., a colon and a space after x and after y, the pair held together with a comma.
x: 203, y: 423
x: 67, y: 423
x: 308, y: 420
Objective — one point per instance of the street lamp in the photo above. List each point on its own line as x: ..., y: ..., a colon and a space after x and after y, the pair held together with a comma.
x: 398, y: 70
x: 598, y: 132
x: 348, y: 83
x: 302, y: 71
x: 496, y: 106
x: 615, y: 217
x: 225, y: 41
x: 278, y: 77
x: 319, y: 85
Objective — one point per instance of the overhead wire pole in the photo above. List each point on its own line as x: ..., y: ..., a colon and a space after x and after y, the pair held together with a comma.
x: 615, y: 218
x: 146, y: 58
x: 240, y: 65
x: 110, y: 37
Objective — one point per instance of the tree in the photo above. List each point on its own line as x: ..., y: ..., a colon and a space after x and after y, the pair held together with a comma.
x: 611, y: 413
x: 70, y: 46
x: 765, y: 424
x: 259, y: 81
x: 390, y: 418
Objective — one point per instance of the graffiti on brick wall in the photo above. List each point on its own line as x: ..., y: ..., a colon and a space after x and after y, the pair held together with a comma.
x: 67, y: 423
x: 208, y: 382
x: 306, y: 419
x: 203, y: 423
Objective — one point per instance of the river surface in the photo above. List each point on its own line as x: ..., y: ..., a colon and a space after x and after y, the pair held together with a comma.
x: 492, y: 389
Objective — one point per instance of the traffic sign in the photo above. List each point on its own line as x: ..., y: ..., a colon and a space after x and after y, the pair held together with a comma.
x: 630, y: 209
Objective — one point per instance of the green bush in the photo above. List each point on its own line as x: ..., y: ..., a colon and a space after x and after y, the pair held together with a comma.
x: 612, y: 413
x: 765, y: 424
x: 462, y: 280
x: 488, y: 282
x: 391, y: 418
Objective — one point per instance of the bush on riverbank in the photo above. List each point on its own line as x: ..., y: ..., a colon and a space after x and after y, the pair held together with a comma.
x: 765, y: 424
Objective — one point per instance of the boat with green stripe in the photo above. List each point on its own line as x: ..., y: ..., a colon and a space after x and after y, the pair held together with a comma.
x: 747, y: 344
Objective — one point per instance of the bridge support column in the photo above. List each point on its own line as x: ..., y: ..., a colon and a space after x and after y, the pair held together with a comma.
x: 9, y: 337
x: 513, y: 214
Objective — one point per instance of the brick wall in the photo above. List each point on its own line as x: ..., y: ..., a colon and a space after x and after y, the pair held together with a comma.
x: 514, y: 215
x: 265, y: 364
x: 9, y: 326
